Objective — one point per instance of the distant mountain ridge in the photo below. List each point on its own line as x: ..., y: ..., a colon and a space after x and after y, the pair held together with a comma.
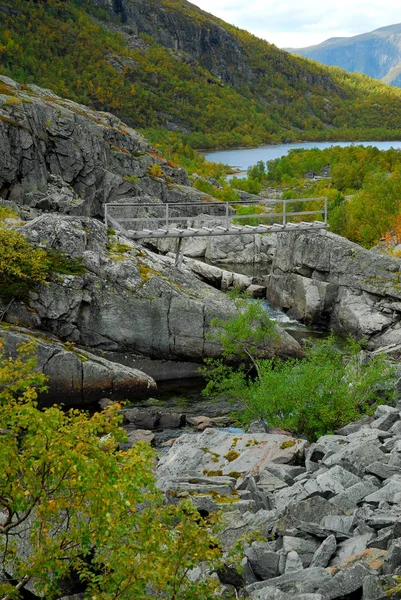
x: 376, y: 53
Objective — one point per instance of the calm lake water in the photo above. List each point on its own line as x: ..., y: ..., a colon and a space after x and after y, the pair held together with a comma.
x: 243, y: 158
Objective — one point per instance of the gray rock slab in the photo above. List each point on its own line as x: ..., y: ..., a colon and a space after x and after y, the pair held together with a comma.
x: 293, y: 563
x: 286, y: 473
x: 270, y: 594
x: 77, y: 376
x: 248, y: 454
x: 270, y: 483
x: 354, y: 426
x: 397, y: 446
x: 385, y: 409
x: 171, y: 420
x: 390, y: 492
x: 264, y: 562
x: 356, y: 457
x: 378, y: 588
x: 352, y: 496
x: 310, y: 510
x: 306, y: 581
x: 303, y: 547
x: 368, y: 434
x: 339, y: 525
x: 311, y: 486
x: 325, y: 444
x: 344, y: 582
x: 386, y: 421
x: 382, y: 539
x: 138, y: 435
x: 313, y: 529
x: 311, y: 466
x: 247, y: 572
x: 336, y: 480
x: 393, y: 559
x: 256, y: 291
x: 235, y: 525
x: 289, y: 496
x: 350, y: 548
x: 382, y: 470
x: 396, y: 428
x: 384, y: 517
x: 324, y: 553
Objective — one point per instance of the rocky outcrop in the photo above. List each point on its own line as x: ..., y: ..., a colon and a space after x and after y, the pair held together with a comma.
x: 76, y: 376
x: 128, y: 299
x: 61, y: 156
x: 326, y: 515
x: 323, y: 278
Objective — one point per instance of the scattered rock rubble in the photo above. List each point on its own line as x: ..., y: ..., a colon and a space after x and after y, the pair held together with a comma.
x: 329, y: 513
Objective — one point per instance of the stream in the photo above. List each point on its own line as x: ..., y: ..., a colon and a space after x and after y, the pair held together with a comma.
x: 180, y: 384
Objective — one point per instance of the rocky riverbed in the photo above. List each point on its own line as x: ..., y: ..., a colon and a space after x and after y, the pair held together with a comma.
x: 325, y: 517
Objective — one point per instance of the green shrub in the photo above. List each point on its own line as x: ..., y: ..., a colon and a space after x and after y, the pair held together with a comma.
x: 327, y: 389
x: 85, y: 506
x: 21, y: 265
x: 62, y: 263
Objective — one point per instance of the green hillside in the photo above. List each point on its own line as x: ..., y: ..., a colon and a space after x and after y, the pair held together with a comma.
x: 81, y: 49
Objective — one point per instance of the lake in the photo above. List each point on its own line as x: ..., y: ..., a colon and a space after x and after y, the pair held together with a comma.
x: 242, y: 158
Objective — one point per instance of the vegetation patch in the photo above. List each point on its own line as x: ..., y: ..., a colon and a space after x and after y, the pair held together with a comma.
x: 232, y: 455
x: 217, y: 473
x: 208, y: 451
x: 362, y: 181
x: 6, y: 212
x: 251, y: 443
x: 146, y: 272
x: 288, y: 444
x: 327, y: 389
x: 132, y: 178
x: 155, y: 171
x: 118, y: 250
x: 22, y: 266
x: 55, y: 459
x: 61, y: 263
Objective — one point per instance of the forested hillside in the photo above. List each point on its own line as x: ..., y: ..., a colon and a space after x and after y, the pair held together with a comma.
x: 364, y: 189
x: 165, y: 63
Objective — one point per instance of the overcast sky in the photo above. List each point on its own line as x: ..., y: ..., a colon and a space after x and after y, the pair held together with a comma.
x: 293, y: 23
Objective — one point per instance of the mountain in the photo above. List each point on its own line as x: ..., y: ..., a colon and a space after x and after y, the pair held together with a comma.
x: 166, y: 65
x: 376, y: 54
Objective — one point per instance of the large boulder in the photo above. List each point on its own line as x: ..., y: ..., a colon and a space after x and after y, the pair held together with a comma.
x: 244, y: 454
x: 320, y: 277
x: 76, y: 376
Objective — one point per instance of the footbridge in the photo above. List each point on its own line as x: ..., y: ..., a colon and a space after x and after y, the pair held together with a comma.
x: 139, y: 221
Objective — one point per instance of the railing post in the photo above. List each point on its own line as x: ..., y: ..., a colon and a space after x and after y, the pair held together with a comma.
x: 284, y: 213
x: 227, y: 220
x: 325, y: 210
x: 167, y: 216
x: 106, y: 216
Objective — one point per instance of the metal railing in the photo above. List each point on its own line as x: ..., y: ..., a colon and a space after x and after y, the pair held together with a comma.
x: 130, y: 218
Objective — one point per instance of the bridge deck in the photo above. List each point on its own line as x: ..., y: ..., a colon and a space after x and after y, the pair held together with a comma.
x: 178, y: 226
x: 174, y: 232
